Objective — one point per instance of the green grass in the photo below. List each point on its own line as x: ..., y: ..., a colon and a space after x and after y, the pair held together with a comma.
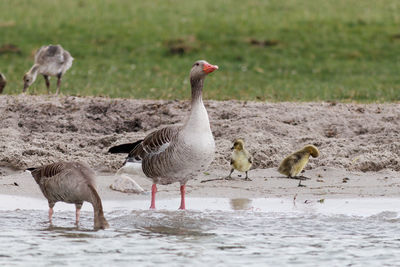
x: 327, y: 50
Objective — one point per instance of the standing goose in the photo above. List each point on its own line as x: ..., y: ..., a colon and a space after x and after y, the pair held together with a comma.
x: 3, y: 82
x: 51, y: 60
x: 176, y: 153
x: 293, y: 164
x: 71, y: 182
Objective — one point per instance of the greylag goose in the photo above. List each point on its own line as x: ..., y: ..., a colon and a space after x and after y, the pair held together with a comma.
x: 3, y: 82
x: 241, y: 160
x: 176, y: 153
x: 293, y: 164
x: 51, y: 60
x: 70, y: 182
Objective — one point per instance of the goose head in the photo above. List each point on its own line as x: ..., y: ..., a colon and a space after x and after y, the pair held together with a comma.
x: 201, y: 68
x: 28, y: 79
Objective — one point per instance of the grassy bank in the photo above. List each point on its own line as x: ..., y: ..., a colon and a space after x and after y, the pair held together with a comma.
x: 267, y: 50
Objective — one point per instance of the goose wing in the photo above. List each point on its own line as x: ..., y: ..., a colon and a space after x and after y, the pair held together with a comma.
x: 48, y: 170
x: 155, y: 143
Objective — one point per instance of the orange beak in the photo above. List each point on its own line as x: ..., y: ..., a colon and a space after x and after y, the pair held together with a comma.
x: 208, y: 68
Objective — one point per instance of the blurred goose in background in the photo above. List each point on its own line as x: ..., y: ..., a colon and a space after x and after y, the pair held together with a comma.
x: 175, y: 153
x: 70, y: 182
x: 3, y: 82
x: 51, y: 60
x: 293, y: 164
x: 241, y: 160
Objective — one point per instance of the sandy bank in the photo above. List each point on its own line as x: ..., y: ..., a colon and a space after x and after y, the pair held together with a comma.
x: 357, y: 141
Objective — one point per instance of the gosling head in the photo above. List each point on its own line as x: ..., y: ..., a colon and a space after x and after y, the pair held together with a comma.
x: 201, y: 68
x: 238, y: 144
x: 312, y: 150
x: 28, y: 79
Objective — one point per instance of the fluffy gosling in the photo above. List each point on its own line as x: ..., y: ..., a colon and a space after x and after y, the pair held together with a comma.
x: 51, y: 60
x: 241, y: 160
x: 293, y: 164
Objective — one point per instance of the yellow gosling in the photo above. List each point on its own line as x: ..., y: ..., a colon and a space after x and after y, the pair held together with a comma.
x: 241, y: 160
x: 293, y: 164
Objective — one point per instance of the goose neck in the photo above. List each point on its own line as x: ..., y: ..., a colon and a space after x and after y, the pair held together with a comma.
x: 197, y: 90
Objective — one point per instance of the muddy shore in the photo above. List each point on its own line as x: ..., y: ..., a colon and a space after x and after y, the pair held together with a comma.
x: 355, y: 140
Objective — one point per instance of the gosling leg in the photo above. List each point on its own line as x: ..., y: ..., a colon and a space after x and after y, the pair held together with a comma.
x: 58, y: 83
x: 300, y: 185
x: 247, y: 177
x: 46, y: 79
x: 229, y: 177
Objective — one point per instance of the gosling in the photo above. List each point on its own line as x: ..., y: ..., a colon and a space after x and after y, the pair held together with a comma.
x: 51, y: 60
x: 293, y: 164
x: 3, y: 82
x: 70, y: 182
x: 241, y: 160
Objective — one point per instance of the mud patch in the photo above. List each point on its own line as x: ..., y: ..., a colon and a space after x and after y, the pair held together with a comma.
x: 38, y: 130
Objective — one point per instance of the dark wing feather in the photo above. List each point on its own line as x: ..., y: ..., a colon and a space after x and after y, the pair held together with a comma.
x: 154, y: 143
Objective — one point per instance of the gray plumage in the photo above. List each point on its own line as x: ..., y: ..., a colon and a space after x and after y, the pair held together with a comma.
x: 51, y: 60
x: 3, y: 82
x: 177, y: 153
x: 70, y: 182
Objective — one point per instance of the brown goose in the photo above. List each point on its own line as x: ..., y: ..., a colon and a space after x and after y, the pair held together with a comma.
x: 71, y: 182
x: 176, y: 153
x: 51, y: 60
x: 3, y: 82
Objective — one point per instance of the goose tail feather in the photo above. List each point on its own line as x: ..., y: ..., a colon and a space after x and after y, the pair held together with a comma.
x: 124, y: 148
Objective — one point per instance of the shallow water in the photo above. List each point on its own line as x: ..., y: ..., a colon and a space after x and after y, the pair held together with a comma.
x: 275, y: 232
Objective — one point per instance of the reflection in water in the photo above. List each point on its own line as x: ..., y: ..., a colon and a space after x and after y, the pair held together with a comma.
x: 240, y: 203
x: 232, y: 238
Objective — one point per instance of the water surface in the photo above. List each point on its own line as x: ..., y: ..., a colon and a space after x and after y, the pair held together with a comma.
x: 275, y: 232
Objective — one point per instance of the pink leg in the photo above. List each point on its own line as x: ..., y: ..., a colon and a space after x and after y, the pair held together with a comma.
x: 183, y: 189
x: 77, y: 214
x: 50, y: 215
x: 153, y: 196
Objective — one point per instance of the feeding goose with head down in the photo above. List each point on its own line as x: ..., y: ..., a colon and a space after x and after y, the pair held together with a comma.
x: 70, y: 182
x: 51, y: 60
x: 176, y: 153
